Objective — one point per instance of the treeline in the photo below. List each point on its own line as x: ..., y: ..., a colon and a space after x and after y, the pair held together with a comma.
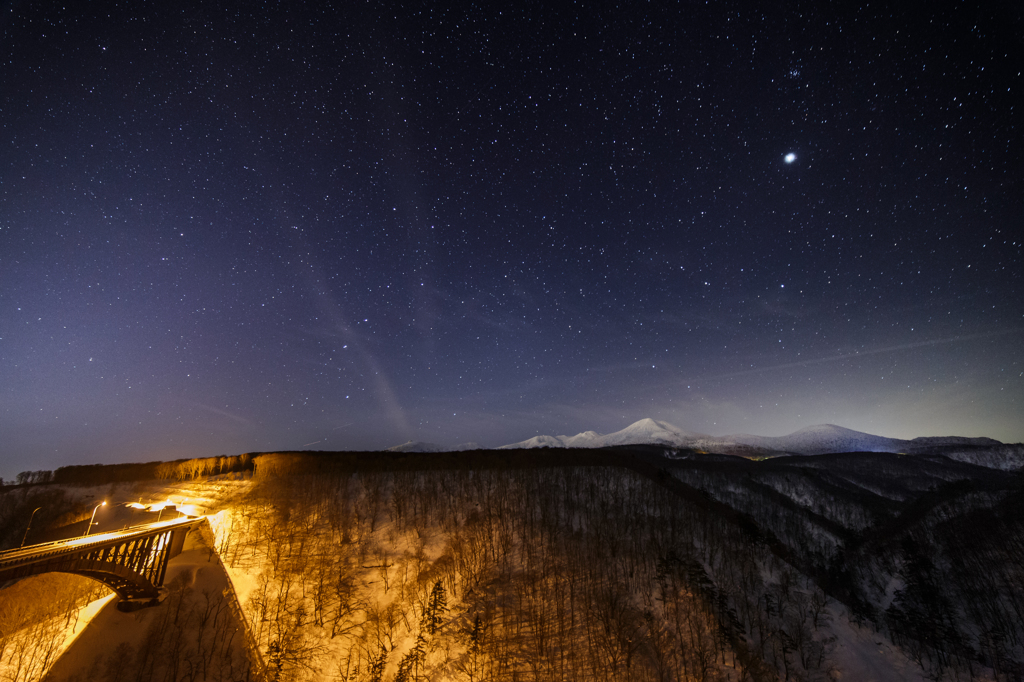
x: 44, y: 506
x: 191, y: 469
x: 30, y: 477
x: 365, y: 461
x: 311, y: 461
x: 102, y: 474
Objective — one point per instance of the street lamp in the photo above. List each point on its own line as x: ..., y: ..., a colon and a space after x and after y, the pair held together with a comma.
x: 29, y: 525
x: 101, y: 504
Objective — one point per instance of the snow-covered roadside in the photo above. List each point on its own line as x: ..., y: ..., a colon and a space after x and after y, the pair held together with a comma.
x: 243, y: 580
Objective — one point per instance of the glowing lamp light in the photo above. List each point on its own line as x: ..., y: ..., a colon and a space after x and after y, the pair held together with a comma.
x: 160, y: 508
x: 93, y: 517
x: 189, y: 510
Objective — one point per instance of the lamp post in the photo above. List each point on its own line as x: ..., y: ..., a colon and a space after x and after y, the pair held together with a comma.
x: 101, y: 504
x: 29, y: 527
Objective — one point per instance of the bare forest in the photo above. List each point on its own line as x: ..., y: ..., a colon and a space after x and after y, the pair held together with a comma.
x: 622, y: 565
x: 521, y: 574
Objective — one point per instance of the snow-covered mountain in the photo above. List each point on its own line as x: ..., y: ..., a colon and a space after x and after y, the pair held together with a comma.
x: 645, y: 431
x: 548, y: 442
x: 812, y: 440
x: 651, y: 432
x: 822, y: 439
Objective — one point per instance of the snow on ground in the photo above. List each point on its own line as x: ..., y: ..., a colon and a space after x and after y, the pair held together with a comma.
x: 821, y: 439
x: 863, y: 655
x: 811, y: 440
x: 241, y: 576
x: 101, y: 644
x: 646, y: 431
x: 8, y: 667
x: 100, y: 628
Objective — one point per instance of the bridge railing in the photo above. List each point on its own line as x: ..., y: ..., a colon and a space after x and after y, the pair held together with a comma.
x: 48, y: 550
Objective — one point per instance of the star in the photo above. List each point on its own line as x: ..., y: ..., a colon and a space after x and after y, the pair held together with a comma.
x: 613, y: 228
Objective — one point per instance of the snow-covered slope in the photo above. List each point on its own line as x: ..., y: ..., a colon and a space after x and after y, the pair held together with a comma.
x: 587, y: 439
x: 822, y: 439
x: 540, y: 442
x: 812, y: 440
x: 643, y: 432
x: 651, y: 432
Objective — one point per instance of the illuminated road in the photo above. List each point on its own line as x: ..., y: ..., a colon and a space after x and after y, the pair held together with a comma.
x: 48, y: 550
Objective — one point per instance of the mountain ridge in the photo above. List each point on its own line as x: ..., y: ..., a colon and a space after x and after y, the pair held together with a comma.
x: 817, y: 439
x: 810, y: 440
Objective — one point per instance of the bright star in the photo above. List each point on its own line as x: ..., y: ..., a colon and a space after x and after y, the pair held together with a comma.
x: 789, y: 158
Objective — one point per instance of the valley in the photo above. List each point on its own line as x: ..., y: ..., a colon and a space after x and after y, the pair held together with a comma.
x: 613, y: 564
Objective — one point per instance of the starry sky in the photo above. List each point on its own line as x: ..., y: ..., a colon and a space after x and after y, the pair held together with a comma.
x: 231, y: 227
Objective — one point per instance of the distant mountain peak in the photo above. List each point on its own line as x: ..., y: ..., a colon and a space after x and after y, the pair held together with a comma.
x: 820, y: 439
x: 828, y: 429
x: 817, y: 439
x: 646, y: 431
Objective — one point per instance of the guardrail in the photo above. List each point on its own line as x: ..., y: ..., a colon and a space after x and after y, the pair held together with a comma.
x: 48, y: 550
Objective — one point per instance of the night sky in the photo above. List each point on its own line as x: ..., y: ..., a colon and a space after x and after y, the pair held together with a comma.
x: 240, y: 227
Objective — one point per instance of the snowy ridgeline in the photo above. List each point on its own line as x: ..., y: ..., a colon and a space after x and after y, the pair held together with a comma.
x: 813, y: 440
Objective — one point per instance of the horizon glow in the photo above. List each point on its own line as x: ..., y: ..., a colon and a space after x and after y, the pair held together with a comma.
x: 455, y: 226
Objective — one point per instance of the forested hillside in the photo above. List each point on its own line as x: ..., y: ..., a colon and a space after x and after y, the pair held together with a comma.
x: 927, y: 549
x: 595, y: 565
x: 495, y: 574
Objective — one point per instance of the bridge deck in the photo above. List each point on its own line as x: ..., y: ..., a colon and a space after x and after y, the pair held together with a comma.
x: 132, y: 562
x: 48, y: 550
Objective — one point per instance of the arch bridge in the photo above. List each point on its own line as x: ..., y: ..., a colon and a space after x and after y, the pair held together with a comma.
x: 131, y: 562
